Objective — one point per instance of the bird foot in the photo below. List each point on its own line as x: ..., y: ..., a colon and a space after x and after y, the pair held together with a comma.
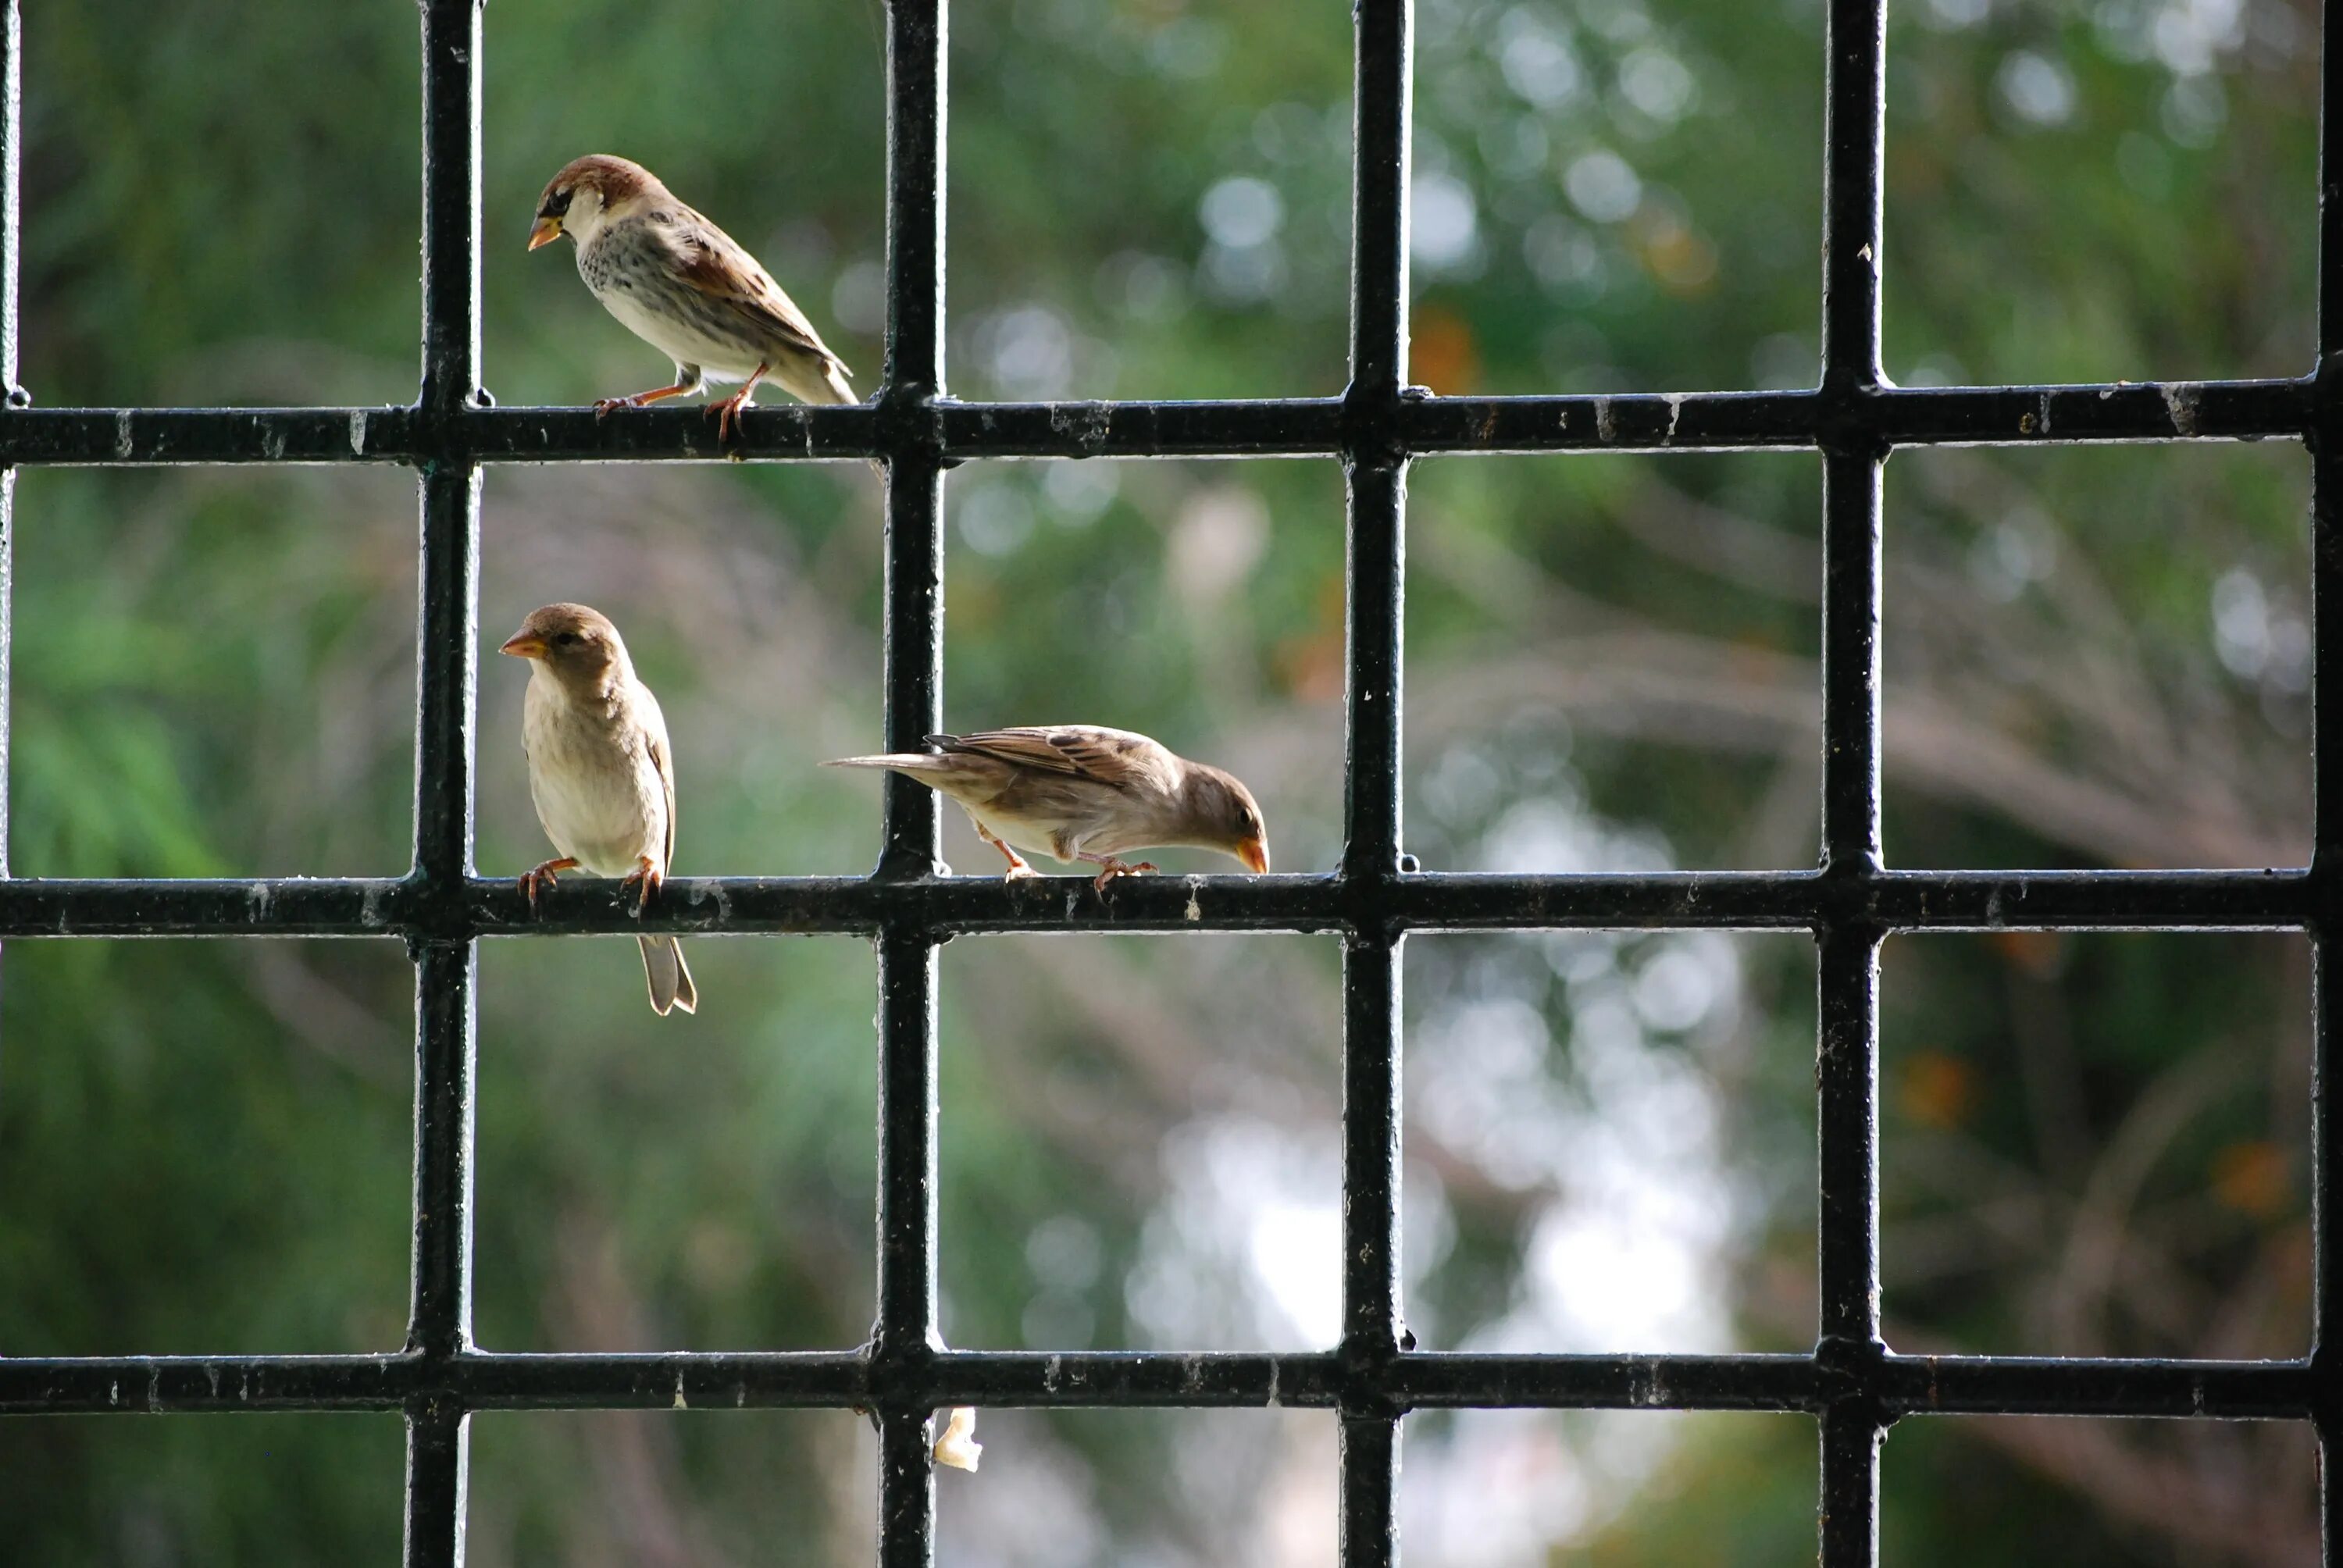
x: 602, y: 405
x: 728, y: 415
x: 644, y: 881
x: 543, y: 877
x: 1115, y: 868
x: 1019, y: 871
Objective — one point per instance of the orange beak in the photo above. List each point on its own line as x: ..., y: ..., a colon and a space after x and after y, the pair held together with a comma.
x: 520, y: 644
x: 544, y: 231
x: 1254, y: 853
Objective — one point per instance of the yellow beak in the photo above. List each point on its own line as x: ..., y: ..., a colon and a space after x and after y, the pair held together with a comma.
x: 1254, y: 853
x: 544, y: 231
x: 520, y: 644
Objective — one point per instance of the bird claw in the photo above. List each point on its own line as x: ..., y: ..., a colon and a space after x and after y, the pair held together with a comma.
x: 1020, y: 872
x: 602, y: 405
x: 541, y: 876
x: 644, y: 880
x: 727, y: 419
x: 1115, y: 868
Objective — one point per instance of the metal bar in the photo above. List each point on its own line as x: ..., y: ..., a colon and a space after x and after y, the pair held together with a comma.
x: 1854, y: 130
x: 905, y: 1334
x: 904, y: 1340
x: 1847, y: 1084
x: 2327, y: 773
x: 440, y: 1322
x: 1420, y: 902
x: 1375, y: 471
x: 731, y: 1380
x: 1850, y: 721
x: 1888, y: 417
x: 438, y: 1440
x: 1850, y: 1485
x: 12, y: 392
x: 1849, y: 1350
x: 451, y: 212
x: 12, y: 208
x: 2326, y: 769
x: 440, y: 1319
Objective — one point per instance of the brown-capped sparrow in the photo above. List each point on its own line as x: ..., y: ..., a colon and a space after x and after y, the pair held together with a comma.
x: 600, y: 770
x: 684, y: 287
x: 1081, y: 792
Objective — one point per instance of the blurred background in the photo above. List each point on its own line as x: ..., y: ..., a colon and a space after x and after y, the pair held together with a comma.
x: 2094, y: 658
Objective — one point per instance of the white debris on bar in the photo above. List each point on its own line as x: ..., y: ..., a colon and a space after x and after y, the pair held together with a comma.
x: 958, y: 1446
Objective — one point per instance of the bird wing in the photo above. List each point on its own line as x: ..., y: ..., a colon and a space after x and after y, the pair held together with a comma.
x: 712, y: 262
x: 1116, y: 758
x: 654, y: 743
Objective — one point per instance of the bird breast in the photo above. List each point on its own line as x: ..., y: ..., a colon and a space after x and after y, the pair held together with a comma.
x: 598, y: 791
x: 628, y: 267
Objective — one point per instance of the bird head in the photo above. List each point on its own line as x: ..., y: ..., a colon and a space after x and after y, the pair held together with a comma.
x: 1223, y: 816
x: 578, y: 646
x: 579, y: 199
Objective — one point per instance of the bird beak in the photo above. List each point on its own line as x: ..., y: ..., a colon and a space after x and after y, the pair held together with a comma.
x: 544, y: 231
x: 1254, y: 853
x: 520, y: 644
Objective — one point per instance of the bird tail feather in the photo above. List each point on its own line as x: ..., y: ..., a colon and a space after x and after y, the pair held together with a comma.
x: 834, y: 382
x: 669, y: 979
x: 901, y: 761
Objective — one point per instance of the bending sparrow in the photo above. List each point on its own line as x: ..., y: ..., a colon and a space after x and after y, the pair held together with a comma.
x: 684, y: 287
x: 600, y: 770
x: 1084, y: 793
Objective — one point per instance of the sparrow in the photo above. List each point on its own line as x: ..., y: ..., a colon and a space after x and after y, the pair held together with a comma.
x: 600, y: 771
x: 684, y: 287
x: 1081, y: 792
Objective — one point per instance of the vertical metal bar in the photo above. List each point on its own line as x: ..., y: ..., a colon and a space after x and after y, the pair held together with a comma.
x: 448, y: 667
x: 1847, y: 1082
x: 451, y: 204
x: 1370, y: 1460
x: 1847, y: 1065
x: 907, y: 1150
x: 2326, y: 772
x: 438, y: 1441
x: 1380, y: 89
x: 914, y: 676
x: 12, y: 146
x: 12, y: 158
x: 440, y: 1318
x: 1850, y: 1482
x: 1376, y: 468
x: 445, y: 970
x: 918, y: 38
x: 905, y: 1337
x: 904, y: 1340
x: 1371, y: 1246
x: 1847, y: 1093
x: 1854, y: 127
x: 1850, y: 574
x: 1375, y: 569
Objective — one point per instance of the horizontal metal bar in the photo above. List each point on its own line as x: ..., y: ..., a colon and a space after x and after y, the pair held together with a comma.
x: 2048, y: 1385
x: 1265, y: 427
x: 1418, y: 1380
x: 948, y: 906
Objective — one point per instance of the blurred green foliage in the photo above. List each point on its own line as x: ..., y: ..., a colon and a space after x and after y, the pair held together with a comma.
x: 2094, y: 658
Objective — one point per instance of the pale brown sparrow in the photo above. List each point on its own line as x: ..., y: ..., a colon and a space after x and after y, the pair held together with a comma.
x: 600, y: 771
x: 684, y: 287
x: 1081, y: 792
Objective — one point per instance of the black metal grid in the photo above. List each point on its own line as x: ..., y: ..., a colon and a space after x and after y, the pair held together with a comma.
x: 1852, y: 1381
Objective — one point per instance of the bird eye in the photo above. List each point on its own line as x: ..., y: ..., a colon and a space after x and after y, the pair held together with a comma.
x: 556, y: 204
x: 567, y: 639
